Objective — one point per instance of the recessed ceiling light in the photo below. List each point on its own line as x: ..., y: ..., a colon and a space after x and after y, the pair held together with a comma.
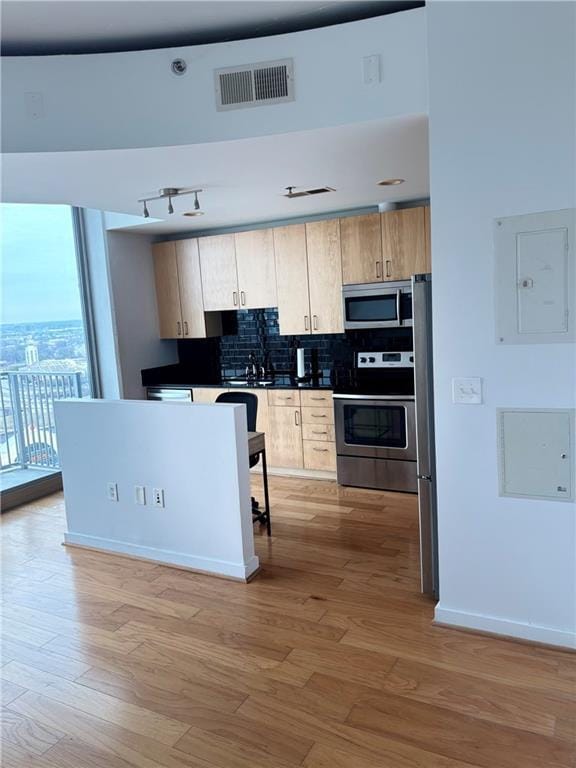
x: 390, y: 182
x: 193, y: 213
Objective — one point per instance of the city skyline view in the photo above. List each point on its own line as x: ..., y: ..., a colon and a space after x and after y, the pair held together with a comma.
x: 38, y: 264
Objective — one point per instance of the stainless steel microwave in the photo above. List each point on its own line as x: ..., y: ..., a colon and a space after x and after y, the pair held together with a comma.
x: 377, y: 305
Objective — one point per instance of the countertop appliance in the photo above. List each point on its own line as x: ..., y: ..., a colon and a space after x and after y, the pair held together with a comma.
x: 384, y: 417
x: 377, y: 305
x: 169, y: 393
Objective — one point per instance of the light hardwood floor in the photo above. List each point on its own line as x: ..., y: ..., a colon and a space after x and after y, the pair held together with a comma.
x: 327, y: 660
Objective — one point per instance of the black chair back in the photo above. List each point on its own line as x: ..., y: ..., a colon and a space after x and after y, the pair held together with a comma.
x: 246, y: 398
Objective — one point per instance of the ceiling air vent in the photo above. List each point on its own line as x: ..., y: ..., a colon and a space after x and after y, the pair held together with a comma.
x: 270, y: 82
x: 305, y: 192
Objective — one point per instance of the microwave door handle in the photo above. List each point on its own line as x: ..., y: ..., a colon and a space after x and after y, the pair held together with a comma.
x: 399, y: 305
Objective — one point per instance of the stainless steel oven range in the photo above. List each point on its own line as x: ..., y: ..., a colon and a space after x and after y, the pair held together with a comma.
x: 376, y: 423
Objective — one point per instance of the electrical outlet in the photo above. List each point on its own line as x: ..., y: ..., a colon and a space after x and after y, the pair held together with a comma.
x: 158, y: 497
x: 140, y: 494
x: 112, y: 490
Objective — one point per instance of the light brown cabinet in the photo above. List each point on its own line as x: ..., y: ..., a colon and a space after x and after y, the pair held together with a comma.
x: 284, y: 438
x: 292, y: 279
x: 325, y: 275
x: 361, y: 238
x: 405, y: 250
x: 309, y: 277
x: 319, y: 455
x: 219, y: 278
x: 256, y: 269
x: 179, y: 292
x: 238, y: 270
x: 206, y: 394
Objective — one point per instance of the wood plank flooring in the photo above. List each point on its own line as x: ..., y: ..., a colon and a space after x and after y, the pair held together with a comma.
x: 327, y: 660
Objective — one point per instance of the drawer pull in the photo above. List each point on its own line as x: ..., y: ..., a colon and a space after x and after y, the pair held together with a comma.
x: 318, y: 398
x: 322, y: 450
x: 318, y: 415
x: 319, y: 432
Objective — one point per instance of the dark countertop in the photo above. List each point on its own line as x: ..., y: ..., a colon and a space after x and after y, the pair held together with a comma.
x: 278, y: 383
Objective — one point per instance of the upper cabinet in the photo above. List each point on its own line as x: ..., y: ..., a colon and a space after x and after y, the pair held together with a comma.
x: 179, y: 292
x: 238, y: 270
x: 256, y: 269
x: 309, y: 277
x: 167, y: 290
x: 219, y: 278
x: 292, y: 279
x: 361, y: 238
x: 325, y: 275
x: 299, y: 268
x: 405, y: 249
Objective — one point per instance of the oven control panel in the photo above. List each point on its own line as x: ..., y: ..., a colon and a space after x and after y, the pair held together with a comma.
x: 384, y: 359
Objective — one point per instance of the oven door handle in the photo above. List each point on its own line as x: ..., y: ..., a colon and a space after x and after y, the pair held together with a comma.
x: 399, y: 305
x: 397, y: 398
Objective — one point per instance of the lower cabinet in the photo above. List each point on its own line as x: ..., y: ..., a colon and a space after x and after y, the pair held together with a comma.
x: 284, y: 438
x: 206, y: 394
x: 320, y: 455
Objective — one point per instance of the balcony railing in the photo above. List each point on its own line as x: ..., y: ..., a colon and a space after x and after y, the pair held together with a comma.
x: 27, y: 426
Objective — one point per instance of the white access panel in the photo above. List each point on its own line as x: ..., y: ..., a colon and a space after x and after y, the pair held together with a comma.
x: 536, y: 453
x: 535, y: 278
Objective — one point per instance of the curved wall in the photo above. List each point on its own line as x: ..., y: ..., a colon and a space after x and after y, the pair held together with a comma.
x: 121, y: 100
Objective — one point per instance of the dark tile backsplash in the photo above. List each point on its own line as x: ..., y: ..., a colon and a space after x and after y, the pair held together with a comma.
x: 246, y: 331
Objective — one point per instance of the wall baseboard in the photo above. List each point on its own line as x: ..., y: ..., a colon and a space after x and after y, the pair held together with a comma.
x: 222, y: 568
x: 509, y: 629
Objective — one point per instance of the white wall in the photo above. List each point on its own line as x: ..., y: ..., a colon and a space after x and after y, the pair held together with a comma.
x: 110, y: 101
x: 131, y: 271
x: 502, y: 83
x: 198, y: 454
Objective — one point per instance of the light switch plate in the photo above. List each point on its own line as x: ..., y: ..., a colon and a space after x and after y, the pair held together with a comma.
x: 467, y: 390
x: 371, y: 73
x: 140, y: 495
x: 112, y: 491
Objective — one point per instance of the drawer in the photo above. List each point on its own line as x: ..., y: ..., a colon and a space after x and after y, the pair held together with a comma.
x: 316, y: 397
x: 318, y: 432
x: 319, y: 455
x: 284, y: 397
x: 318, y: 415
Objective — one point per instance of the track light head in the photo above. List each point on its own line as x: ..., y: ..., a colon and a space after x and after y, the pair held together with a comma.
x: 146, y: 212
x: 170, y: 206
x: 196, y: 202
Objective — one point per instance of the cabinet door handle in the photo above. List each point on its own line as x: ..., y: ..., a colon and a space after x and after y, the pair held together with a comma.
x: 242, y: 298
x: 297, y: 418
x: 378, y: 270
x: 235, y: 298
x: 388, y: 268
x: 179, y: 328
x: 306, y: 328
x: 315, y: 320
x: 186, y: 331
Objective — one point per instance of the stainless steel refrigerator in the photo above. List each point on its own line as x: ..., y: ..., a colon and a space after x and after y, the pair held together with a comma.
x: 426, y: 459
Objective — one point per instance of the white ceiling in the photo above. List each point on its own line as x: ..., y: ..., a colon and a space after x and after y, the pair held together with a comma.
x: 243, y: 180
x: 33, y: 27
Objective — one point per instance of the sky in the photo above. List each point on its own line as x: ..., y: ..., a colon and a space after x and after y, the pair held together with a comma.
x: 38, y: 272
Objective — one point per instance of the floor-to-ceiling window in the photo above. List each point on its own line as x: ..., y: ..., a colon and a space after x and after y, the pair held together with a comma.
x: 43, y: 354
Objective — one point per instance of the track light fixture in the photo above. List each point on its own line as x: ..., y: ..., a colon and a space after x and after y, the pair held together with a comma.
x: 169, y: 193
